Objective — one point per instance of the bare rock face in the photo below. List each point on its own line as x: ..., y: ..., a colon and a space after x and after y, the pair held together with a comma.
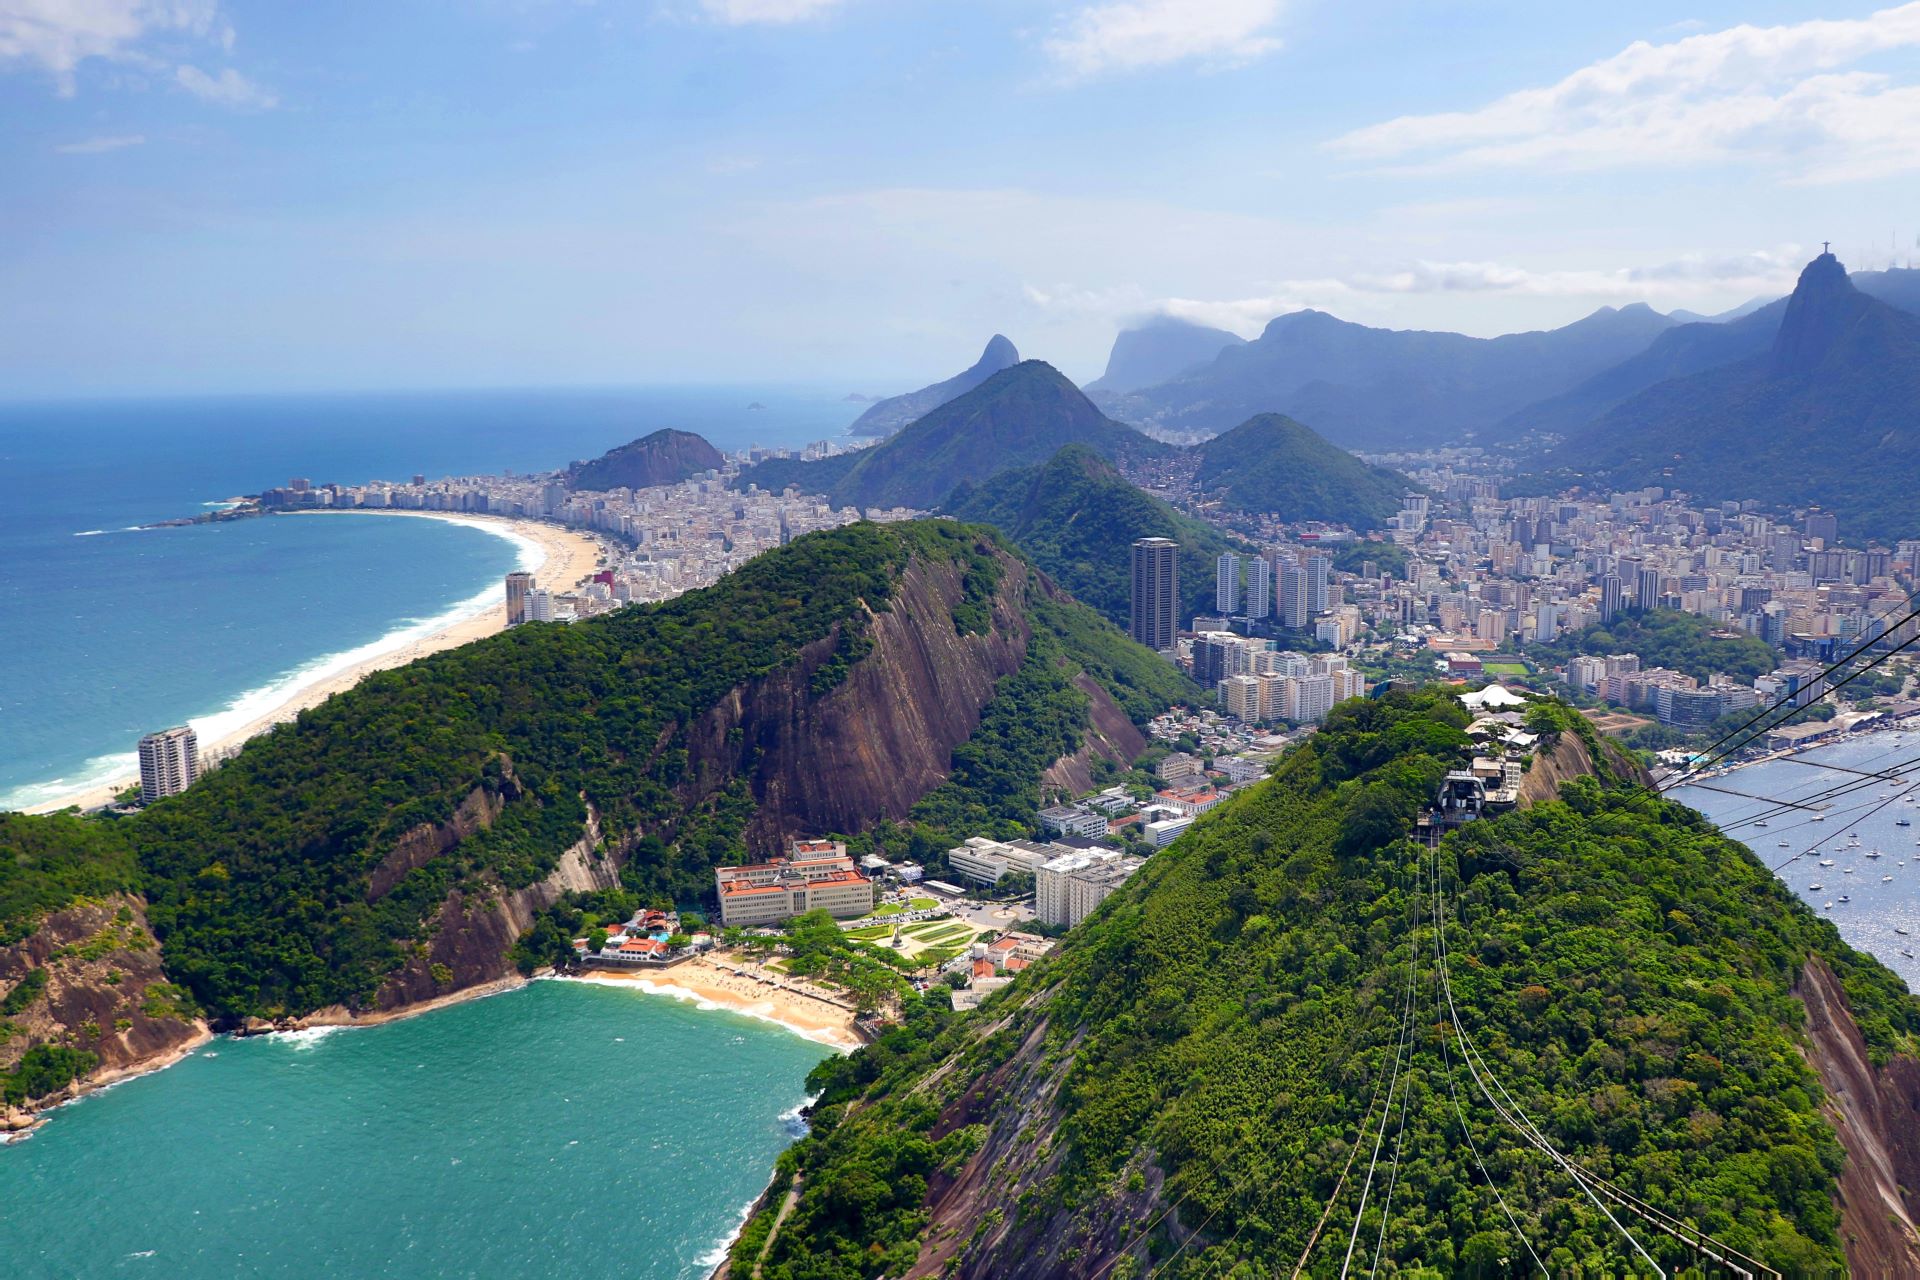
x: 104, y: 993
x: 1876, y: 1112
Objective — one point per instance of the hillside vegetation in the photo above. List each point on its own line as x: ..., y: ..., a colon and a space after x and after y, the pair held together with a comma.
x: 1078, y: 518
x: 1272, y: 463
x: 1684, y: 642
x: 311, y: 867
x: 1264, y: 1029
x: 1019, y: 417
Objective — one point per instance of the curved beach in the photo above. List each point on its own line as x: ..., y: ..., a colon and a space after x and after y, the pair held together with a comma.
x: 561, y: 558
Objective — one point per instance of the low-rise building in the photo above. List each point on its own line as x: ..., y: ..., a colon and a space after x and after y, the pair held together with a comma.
x: 1073, y: 820
x: 1164, y: 832
x: 816, y: 875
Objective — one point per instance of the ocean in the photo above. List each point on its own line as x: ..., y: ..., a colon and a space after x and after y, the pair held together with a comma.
x: 560, y: 1129
x: 108, y: 631
x: 1883, y: 893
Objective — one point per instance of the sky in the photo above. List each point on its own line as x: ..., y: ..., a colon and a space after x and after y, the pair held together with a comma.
x: 229, y: 196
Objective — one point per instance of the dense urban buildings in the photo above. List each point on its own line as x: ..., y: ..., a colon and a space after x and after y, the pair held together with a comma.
x: 169, y: 762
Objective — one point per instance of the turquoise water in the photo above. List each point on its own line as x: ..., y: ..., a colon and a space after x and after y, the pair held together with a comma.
x: 110, y: 631
x: 561, y: 1129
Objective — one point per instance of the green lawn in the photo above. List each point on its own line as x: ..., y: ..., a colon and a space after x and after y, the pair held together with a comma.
x: 1505, y: 668
x: 872, y: 933
x: 922, y: 904
x: 888, y: 909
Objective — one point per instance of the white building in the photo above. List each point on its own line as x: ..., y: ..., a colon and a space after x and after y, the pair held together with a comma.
x: 1068, y: 888
x: 539, y: 605
x: 169, y: 762
x: 816, y: 875
x: 1164, y: 832
x: 1074, y: 820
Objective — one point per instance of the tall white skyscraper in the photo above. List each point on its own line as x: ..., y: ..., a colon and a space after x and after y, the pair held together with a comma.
x: 539, y: 605
x: 1226, y: 584
x: 1259, y: 587
x: 1319, y: 569
x: 169, y: 762
x: 1295, y: 605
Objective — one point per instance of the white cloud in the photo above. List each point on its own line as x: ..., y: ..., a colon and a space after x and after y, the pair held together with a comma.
x: 95, y: 146
x: 229, y: 88
x: 1127, y: 35
x: 1776, y: 94
x: 740, y: 13
x: 57, y: 36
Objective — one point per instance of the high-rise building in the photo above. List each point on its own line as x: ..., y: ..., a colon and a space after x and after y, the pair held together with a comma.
x: 1259, y: 600
x: 1610, y: 597
x: 539, y: 605
x: 1646, y: 593
x: 1823, y: 525
x: 1295, y: 604
x: 169, y: 762
x: 519, y: 586
x: 1156, y: 593
x: 1319, y: 570
x: 1226, y: 583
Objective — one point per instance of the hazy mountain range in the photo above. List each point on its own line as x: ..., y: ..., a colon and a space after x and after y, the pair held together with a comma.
x: 887, y: 416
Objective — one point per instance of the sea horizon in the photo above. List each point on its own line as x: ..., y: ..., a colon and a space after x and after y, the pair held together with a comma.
x: 213, y: 624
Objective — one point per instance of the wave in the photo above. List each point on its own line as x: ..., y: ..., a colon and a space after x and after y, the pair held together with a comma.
x: 718, y: 1253
x: 260, y: 701
x: 125, y: 528
x: 305, y: 1037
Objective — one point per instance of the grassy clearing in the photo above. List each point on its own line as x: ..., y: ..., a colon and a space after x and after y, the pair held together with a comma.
x: 922, y: 904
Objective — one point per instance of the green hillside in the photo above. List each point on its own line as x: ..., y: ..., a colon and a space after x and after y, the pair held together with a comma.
x: 278, y: 884
x: 1078, y: 518
x: 1019, y: 417
x: 1193, y: 1085
x: 1272, y: 463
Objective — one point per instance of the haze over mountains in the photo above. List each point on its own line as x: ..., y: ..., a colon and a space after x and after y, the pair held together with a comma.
x: 1827, y: 412
x: 887, y: 416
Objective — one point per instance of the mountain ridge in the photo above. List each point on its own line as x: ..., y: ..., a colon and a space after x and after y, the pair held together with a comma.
x: 886, y: 416
x: 663, y: 457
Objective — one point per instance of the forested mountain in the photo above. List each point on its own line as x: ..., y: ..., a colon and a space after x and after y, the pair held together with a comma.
x: 666, y: 456
x: 393, y: 844
x: 887, y: 416
x: 1261, y: 1057
x: 1017, y: 418
x: 1078, y: 519
x: 1829, y: 413
x: 1272, y: 463
x: 1157, y: 350
x: 1387, y: 388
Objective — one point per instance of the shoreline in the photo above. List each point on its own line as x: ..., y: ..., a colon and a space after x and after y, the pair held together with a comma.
x: 734, y: 986
x: 564, y: 555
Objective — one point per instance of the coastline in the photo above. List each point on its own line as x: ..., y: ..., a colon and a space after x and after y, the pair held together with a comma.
x: 563, y: 556
x: 17, y: 1123
x: 740, y: 987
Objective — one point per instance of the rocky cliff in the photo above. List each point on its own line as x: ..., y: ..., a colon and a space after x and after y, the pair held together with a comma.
x: 664, y: 457
x: 89, y: 978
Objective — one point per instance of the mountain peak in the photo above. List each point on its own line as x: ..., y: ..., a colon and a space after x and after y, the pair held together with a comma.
x: 1824, y: 302
x: 999, y: 354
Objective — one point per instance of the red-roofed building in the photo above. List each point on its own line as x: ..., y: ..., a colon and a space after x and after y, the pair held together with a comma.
x: 817, y: 875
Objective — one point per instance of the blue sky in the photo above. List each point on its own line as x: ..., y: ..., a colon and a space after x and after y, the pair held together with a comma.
x: 219, y: 195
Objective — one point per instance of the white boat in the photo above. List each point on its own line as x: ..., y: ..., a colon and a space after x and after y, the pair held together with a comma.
x: 1827, y: 906
x: 1846, y: 871
x: 1885, y: 879
x: 1819, y: 817
x: 1826, y: 862
x: 1783, y: 844
x: 1853, y: 841
x: 1907, y: 952
x: 1875, y: 853
x: 1845, y: 898
x: 1902, y: 822
x: 1814, y: 888
x: 1898, y: 929
x: 1761, y: 823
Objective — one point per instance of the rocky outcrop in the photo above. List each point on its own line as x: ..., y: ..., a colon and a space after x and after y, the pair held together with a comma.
x: 1569, y: 758
x: 428, y: 841
x: 665, y: 457
x: 104, y: 993
x: 1876, y: 1112
x: 474, y: 931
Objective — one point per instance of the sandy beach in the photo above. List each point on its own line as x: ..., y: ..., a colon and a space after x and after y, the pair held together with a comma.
x: 729, y: 982
x: 566, y: 557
